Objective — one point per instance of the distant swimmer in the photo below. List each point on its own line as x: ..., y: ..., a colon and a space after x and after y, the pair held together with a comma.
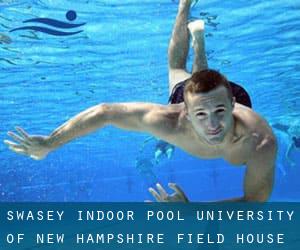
x: 283, y: 144
x: 145, y: 161
x: 161, y: 149
x: 208, y: 117
x: 145, y: 169
x: 292, y: 129
x: 4, y: 39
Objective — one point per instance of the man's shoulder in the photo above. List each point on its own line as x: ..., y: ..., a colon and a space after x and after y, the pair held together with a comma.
x: 252, y: 124
x: 167, y: 115
x: 255, y: 133
x: 166, y: 122
x: 249, y: 118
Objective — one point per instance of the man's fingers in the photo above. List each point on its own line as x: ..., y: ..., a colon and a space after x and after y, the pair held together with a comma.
x: 162, y: 192
x: 17, y: 147
x: 155, y: 194
x: 16, y: 137
x: 18, y: 150
x: 11, y: 144
x: 177, y: 189
x: 23, y: 133
x: 35, y: 157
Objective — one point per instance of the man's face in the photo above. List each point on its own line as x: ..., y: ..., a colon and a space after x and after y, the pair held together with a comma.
x: 210, y: 114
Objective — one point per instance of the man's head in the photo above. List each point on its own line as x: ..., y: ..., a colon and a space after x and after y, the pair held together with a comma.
x: 209, y: 103
x: 296, y: 141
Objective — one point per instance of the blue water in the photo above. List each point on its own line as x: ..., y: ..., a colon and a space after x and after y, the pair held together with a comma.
x: 120, y: 56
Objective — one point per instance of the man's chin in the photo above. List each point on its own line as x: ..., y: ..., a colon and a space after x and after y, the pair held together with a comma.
x: 214, y: 140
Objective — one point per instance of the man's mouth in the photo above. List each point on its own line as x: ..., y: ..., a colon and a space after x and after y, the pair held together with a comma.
x: 215, y: 131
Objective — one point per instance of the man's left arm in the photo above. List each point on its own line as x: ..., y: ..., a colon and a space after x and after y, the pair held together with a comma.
x: 259, y: 176
x: 258, y: 180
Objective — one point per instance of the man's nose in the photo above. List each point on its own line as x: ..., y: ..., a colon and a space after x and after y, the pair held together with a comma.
x: 213, y: 123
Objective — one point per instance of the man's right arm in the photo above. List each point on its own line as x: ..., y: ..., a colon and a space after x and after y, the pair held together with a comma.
x: 146, y: 117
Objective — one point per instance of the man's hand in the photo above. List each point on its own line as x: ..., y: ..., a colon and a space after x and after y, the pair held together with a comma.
x: 163, y: 196
x: 32, y: 146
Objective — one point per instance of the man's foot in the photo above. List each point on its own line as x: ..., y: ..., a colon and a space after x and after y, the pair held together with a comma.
x: 170, y: 152
x: 157, y: 156
x: 196, y: 29
x: 191, y: 3
x: 183, y: 3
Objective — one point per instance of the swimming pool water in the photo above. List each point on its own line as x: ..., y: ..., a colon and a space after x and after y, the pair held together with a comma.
x: 121, y: 55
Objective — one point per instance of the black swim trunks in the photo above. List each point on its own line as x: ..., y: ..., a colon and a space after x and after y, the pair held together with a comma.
x: 240, y: 94
x: 163, y: 146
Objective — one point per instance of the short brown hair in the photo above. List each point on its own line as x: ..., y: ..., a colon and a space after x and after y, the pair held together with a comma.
x: 205, y: 81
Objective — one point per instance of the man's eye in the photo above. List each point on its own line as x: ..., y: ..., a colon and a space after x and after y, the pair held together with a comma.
x: 219, y: 111
x: 201, y: 114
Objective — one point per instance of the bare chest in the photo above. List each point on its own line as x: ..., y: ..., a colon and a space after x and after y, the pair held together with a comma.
x: 235, y: 153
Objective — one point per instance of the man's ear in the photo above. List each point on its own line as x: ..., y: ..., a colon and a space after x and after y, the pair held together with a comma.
x: 188, y: 116
x: 186, y: 113
x: 233, y: 101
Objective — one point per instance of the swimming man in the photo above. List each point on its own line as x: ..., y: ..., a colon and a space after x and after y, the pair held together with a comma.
x: 292, y: 130
x: 209, y: 119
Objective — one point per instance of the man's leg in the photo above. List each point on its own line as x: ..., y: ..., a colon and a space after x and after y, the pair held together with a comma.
x: 196, y: 29
x: 179, y: 46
